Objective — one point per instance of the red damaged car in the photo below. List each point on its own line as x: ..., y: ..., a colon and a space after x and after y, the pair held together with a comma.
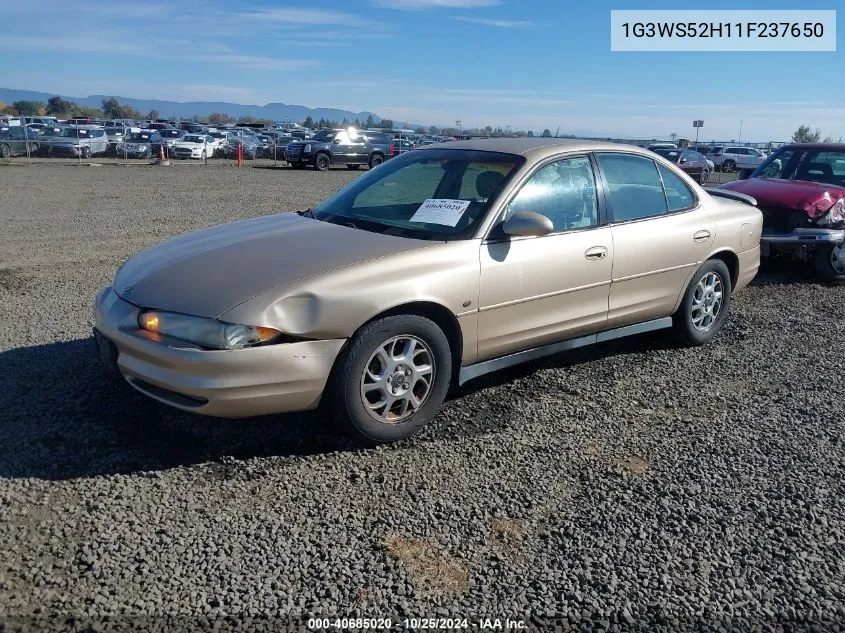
x: 801, y: 191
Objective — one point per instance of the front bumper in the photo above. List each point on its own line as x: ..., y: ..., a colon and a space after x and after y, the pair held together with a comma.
x: 226, y: 383
x: 805, y: 237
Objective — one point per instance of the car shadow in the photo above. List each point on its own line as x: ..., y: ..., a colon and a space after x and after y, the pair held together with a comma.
x: 63, y: 416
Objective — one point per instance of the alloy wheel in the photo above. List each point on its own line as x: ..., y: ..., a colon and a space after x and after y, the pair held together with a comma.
x: 707, y: 302
x: 397, y: 379
x: 836, y: 261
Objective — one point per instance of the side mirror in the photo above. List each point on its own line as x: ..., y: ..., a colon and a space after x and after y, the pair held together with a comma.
x: 527, y: 223
x: 336, y: 141
x: 683, y: 160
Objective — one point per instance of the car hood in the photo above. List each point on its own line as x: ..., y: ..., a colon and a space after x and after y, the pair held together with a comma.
x: 190, y: 145
x: 812, y: 198
x: 208, y: 272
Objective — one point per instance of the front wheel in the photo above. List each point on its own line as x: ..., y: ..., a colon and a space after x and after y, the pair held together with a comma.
x: 322, y: 162
x: 829, y: 263
x: 728, y: 166
x: 705, y: 304
x: 704, y: 177
x: 86, y: 152
x: 5, y: 151
x: 391, y: 379
x: 376, y: 160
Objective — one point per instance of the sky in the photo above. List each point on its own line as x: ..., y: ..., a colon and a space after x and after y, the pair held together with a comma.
x: 528, y: 64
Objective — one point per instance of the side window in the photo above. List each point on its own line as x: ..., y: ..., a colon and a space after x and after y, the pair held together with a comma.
x: 634, y: 188
x: 342, y: 138
x: 678, y: 194
x: 563, y: 191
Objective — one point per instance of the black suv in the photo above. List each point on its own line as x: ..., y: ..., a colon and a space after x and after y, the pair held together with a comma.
x: 340, y: 147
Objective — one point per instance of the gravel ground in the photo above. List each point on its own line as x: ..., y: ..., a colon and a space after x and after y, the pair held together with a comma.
x: 633, y: 485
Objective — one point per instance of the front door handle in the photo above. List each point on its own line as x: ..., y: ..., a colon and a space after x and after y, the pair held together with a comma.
x: 596, y: 253
x: 701, y: 236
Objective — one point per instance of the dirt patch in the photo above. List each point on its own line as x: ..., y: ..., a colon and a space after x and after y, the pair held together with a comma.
x: 634, y: 464
x: 431, y: 570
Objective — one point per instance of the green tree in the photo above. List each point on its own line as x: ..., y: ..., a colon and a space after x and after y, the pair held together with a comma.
x: 370, y: 121
x: 434, y: 130
x: 830, y: 139
x: 805, y: 135
x: 547, y: 133
x: 420, y: 130
x: 530, y: 134
x: 219, y: 118
x: 28, y: 108
x: 56, y: 106
x: 386, y: 124
x: 309, y: 122
x: 113, y: 110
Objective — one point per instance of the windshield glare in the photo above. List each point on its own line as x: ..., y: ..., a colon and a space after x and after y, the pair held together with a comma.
x: 73, y: 132
x: 324, y: 135
x: 194, y: 138
x: 389, y: 199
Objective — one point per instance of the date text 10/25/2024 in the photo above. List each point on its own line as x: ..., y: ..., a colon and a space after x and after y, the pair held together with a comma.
x: 416, y: 624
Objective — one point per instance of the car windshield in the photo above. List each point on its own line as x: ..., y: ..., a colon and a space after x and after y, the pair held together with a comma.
x: 139, y: 136
x: 323, y: 135
x: 73, y: 132
x: 814, y: 165
x: 669, y: 154
x: 194, y: 138
x: 114, y: 130
x: 172, y: 133
x: 431, y: 195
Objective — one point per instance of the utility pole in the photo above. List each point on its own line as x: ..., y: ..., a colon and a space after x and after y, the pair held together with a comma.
x: 740, y: 131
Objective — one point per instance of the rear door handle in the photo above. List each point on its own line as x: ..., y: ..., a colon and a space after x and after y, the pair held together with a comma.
x: 701, y: 236
x: 596, y: 253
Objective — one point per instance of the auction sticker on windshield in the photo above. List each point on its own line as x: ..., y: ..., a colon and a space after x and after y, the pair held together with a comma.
x: 441, y: 211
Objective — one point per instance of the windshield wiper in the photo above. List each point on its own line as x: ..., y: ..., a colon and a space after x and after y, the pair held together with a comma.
x: 307, y: 213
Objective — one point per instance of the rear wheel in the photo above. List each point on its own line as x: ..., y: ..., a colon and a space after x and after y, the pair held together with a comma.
x: 705, y: 304
x: 391, y: 379
x: 5, y: 151
x: 376, y: 160
x: 86, y: 152
x: 829, y: 263
x: 729, y: 166
x: 704, y: 177
x: 322, y: 162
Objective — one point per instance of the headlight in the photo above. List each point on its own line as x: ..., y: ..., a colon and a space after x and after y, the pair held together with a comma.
x: 834, y: 215
x: 307, y: 148
x: 209, y: 333
x: 143, y: 148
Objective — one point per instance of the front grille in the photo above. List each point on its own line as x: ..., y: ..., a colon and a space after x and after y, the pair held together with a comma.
x: 784, y: 220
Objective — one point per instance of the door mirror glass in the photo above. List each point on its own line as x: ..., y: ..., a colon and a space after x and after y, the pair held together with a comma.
x: 527, y: 223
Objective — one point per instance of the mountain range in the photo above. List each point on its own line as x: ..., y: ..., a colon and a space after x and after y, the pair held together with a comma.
x: 278, y: 112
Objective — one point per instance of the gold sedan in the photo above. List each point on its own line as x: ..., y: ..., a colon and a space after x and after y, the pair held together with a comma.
x: 440, y: 265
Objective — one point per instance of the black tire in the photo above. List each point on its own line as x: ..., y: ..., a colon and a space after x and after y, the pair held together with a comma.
x: 346, y: 403
x: 824, y: 266
x: 729, y: 166
x: 685, y: 326
x: 148, y: 153
x: 351, y: 167
x: 5, y: 151
x: 86, y: 152
x: 322, y: 162
x: 376, y: 160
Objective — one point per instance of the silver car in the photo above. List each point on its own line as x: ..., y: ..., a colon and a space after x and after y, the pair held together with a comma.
x: 83, y: 141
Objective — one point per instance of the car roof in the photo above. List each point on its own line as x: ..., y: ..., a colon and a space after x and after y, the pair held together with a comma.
x: 836, y: 147
x: 536, y: 148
